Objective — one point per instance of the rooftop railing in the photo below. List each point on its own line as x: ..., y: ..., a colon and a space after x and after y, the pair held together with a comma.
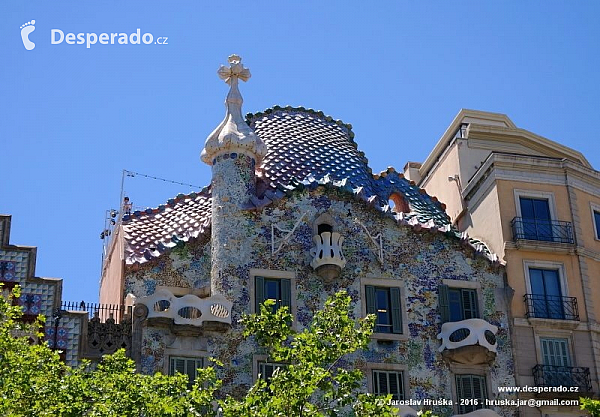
x: 102, y: 311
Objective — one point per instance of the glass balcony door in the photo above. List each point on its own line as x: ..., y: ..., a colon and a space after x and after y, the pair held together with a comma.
x: 537, y: 222
x: 545, y: 284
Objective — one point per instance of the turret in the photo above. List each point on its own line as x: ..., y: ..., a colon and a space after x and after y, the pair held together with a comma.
x: 233, y: 150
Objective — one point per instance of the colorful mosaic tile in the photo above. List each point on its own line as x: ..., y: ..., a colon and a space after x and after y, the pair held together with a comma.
x: 418, y: 260
x: 31, y: 303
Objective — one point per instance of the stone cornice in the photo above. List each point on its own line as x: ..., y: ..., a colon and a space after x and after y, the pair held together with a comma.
x: 533, y: 169
x: 451, y: 130
x: 524, y: 137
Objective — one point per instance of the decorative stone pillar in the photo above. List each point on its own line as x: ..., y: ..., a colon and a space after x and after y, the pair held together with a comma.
x: 233, y: 150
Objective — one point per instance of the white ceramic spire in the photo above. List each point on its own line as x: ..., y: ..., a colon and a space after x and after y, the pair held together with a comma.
x: 233, y: 134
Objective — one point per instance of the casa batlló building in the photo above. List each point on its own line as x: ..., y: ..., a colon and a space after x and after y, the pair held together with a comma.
x: 294, y: 214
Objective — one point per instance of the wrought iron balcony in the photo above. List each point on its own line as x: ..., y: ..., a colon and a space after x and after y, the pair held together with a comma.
x: 566, y: 376
x: 551, y: 307
x: 542, y: 230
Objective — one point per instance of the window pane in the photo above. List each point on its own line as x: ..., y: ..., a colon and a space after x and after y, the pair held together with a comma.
x: 177, y: 365
x: 388, y: 383
x: 394, y: 385
x: 541, y: 209
x: 471, y: 387
x: 555, y: 352
x: 551, y: 282
x: 536, y: 218
x: 537, y: 281
x: 384, y: 322
x: 456, y: 312
x: 186, y: 366
x: 273, y: 292
x: 191, y: 370
x: 597, y: 221
x: 469, y: 302
x: 545, y: 285
x: 527, y: 208
x: 267, y: 369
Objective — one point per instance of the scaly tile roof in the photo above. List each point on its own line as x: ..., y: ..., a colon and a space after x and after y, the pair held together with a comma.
x: 305, y: 148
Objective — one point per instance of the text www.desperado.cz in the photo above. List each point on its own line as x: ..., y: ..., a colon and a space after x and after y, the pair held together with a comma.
x: 527, y: 388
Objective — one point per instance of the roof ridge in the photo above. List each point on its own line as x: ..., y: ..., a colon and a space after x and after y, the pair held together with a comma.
x: 205, y: 192
x: 319, y: 113
x: 392, y: 170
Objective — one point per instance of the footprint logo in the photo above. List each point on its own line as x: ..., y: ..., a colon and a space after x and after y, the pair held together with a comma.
x: 26, y: 29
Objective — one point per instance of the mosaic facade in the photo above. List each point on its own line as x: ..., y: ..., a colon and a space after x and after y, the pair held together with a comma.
x: 294, y: 204
x: 417, y: 260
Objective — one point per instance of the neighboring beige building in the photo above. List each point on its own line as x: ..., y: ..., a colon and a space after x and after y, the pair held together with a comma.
x: 536, y: 203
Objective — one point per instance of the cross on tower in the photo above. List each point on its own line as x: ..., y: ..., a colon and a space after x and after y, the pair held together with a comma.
x: 234, y: 71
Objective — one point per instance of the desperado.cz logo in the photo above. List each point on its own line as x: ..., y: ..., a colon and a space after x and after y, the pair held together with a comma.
x: 26, y: 29
x: 57, y: 36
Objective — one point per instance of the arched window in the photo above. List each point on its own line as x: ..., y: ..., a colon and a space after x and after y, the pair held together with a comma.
x: 324, y: 223
x: 398, y: 203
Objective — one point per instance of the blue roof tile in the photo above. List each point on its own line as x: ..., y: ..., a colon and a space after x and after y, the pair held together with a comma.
x: 305, y: 148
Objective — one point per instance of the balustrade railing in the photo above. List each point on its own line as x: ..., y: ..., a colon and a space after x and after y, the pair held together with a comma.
x: 551, y: 307
x: 542, y: 230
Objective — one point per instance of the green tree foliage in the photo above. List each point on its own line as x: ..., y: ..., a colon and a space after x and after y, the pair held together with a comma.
x: 34, y: 381
x: 591, y: 406
x: 312, y: 384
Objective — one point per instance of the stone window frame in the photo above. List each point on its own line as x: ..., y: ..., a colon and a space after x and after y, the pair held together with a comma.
x: 388, y: 367
x: 543, y: 195
x: 183, y: 354
x: 274, y: 274
x: 595, y: 208
x: 256, y: 360
x: 478, y: 370
x: 486, y: 395
x: 185, y: 347
x: 556, y: 266
x: 553, y: 333
x: 388, y: 283
x: 468, y: 285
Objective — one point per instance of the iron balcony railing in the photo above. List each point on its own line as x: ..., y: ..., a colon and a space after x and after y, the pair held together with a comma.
x: 566, y: 376
x: 542, y: 229
x: 551, y: 307
x: 102, y: 311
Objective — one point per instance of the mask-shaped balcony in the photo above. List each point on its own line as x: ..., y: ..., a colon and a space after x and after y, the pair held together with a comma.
x: 328, y: 259
x: 191, y: 311
x: 469, y: 342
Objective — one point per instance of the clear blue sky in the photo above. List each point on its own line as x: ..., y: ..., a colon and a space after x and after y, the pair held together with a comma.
x: 72, y: 118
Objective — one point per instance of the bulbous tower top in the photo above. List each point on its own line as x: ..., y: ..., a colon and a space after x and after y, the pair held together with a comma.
x: 233, y: 134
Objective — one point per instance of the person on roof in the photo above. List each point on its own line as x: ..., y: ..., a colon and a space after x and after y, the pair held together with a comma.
x: 127, y: 206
